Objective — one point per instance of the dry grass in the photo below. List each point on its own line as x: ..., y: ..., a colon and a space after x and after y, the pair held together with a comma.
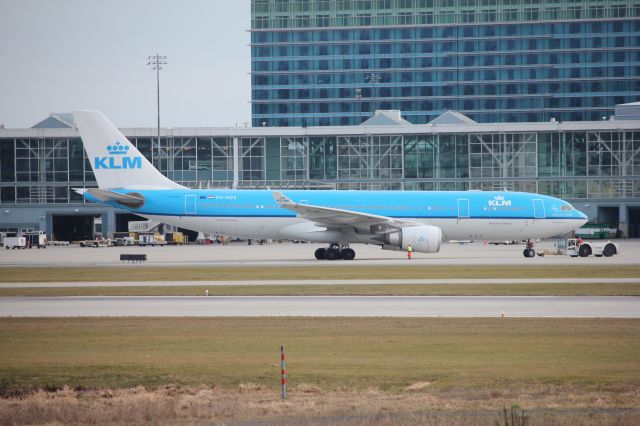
x: 547, y: 289
x: 309, y: 404
x: 325, y: 271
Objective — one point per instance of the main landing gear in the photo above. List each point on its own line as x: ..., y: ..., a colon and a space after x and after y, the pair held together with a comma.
x: 529, y: 251
x: 335, y: 252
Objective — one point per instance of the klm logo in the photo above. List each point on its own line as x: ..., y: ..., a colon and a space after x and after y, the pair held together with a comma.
x: 499, y: 201
x: 117, y: 159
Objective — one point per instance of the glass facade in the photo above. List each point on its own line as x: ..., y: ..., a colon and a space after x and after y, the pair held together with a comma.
x: 595, y: 160
x: 332, y: 62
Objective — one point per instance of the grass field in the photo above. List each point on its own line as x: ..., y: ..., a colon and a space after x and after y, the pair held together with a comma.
x: 348, y: 371
x: 389, y: 354
x: 325, y: 271
x: 547, y: 289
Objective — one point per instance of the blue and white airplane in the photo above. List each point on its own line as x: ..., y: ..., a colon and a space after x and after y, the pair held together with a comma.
x: 391, y: 219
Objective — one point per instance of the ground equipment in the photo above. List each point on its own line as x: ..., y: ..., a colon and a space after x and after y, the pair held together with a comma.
x: 576, y: 247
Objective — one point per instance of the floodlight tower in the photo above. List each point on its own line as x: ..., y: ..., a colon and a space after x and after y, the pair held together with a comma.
x: 156, y: 63
x: 374, y: 79
x: 358, y: 105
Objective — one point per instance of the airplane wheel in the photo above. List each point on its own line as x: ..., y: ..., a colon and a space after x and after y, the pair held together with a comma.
x: 529, y: 252
x: 584, y: 251
x: 321, y: 253
x: 609, y: 250
x: 332, y: 254
x: 348, y: 254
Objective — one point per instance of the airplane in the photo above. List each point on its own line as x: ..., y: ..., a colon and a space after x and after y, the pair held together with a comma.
x: 393, y: 220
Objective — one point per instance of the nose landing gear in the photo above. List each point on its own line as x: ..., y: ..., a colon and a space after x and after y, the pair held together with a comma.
x: 335, y: 252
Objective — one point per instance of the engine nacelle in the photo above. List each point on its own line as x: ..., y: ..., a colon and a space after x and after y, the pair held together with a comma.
x: 423, y: 239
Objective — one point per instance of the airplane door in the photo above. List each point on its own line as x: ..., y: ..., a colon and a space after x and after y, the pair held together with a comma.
x: 189, y: 204
x: 538, y: 209
x: 463, y: 208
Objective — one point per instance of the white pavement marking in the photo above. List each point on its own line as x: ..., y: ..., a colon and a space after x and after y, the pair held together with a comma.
x: 434, y: 281
x: 321, y: 306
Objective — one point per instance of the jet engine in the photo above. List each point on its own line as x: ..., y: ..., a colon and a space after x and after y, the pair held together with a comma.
x: 423, y: 239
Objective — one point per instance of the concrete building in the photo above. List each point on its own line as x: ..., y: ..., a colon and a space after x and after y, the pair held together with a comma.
x: 333, y: 62
x: 593, y: 164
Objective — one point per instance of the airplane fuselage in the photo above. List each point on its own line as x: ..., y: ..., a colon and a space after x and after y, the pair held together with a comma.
x: 460, y: 215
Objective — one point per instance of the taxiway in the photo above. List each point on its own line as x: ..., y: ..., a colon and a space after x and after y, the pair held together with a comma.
x: 290, y: 254
x: 324, y: 306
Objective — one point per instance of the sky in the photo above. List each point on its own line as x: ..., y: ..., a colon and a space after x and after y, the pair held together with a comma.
x: 66, y: 55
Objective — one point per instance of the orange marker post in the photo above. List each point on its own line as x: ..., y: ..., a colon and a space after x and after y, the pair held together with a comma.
x: 283, y: 374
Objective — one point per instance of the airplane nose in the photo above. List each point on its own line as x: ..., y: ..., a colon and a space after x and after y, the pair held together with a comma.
x: 584, y: 218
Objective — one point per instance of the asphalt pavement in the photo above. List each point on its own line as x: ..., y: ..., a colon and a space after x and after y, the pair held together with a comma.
x: 425, y: 281
x: 290, y: 254
x: 324, y: 306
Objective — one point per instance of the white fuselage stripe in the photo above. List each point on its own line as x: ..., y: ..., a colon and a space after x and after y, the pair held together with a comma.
x: 452, y: 229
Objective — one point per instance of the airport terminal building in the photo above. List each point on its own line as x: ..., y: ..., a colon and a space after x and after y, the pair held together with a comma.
x: 333, y: 62
x: 593, y: 164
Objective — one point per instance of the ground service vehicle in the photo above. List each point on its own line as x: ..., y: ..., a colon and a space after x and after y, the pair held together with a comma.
x: 174, y: 238
x: 36, y: 239
x: 587, y: 248
x: 95, y: 243
x: 15, y: 243
x: 123, y: 241
x: 574, y: 247
x: 151, y: 240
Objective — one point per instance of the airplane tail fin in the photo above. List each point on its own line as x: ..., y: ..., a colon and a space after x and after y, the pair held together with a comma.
x: 116, y: 162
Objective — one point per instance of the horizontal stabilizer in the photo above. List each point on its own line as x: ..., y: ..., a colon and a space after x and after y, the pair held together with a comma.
x: 129, y: 200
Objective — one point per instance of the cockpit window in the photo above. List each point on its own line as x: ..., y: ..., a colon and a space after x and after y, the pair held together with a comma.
x: 566, y: 207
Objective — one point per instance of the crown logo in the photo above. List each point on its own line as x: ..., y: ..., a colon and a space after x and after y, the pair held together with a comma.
x: 499, y: 198
x: 117, y: 149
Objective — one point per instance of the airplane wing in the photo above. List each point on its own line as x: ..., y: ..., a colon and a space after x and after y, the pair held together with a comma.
x: 339, y: 218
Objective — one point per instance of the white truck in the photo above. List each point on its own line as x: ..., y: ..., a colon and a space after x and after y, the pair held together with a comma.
x: 15, y: 243
x: 123, y: 241
x: 98, y: 242
x: 576, y: 247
